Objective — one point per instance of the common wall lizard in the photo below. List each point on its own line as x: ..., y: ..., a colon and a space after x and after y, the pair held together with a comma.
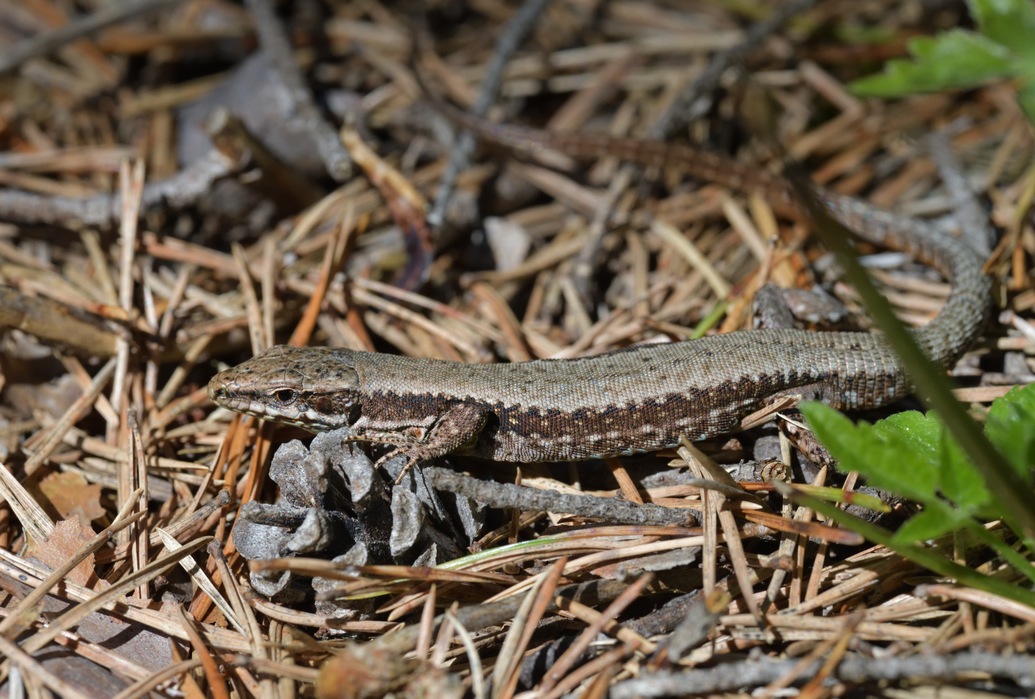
x: 623, y: 402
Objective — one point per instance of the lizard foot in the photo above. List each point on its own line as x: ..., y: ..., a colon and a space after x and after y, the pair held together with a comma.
x: 413, y: 457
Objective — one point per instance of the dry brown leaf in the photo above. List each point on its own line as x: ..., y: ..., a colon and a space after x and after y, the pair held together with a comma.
x: 70, y: 536
x: 70, y: 495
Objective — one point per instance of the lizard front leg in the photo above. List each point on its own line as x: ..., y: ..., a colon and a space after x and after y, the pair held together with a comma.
x: 458, y: 426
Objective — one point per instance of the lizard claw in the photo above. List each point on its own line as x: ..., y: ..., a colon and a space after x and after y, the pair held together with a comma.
x: 412, y: 459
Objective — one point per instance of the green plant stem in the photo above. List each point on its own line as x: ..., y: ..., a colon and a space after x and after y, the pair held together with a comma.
x: 923, y: 556
x: 929, y: 379
x: 1013, y: 557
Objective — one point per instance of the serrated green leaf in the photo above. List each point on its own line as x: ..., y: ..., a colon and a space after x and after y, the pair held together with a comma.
x: 1011, y: 428
x: 957, y: 478
x: 921, y: 432
x: 884, y: 459
x: 954, y: 59
x: 960, y: 481
x: 936, y: 520
x: 1007, y: 22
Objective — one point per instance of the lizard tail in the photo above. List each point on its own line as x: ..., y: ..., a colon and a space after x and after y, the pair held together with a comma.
x: 966, y: 310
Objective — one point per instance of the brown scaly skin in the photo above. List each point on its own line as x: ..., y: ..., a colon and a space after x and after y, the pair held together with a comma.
x: 629, y: 401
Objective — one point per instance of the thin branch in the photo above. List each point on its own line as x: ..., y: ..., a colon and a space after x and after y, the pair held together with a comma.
x: 276, y: 45
x: 50, y: 41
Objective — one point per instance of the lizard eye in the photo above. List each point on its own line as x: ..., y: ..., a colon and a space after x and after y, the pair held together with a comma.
x: 285, y: 395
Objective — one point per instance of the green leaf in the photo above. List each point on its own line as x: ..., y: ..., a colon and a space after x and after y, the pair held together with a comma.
x: 925, y: 435
x: 1026, y: 98
x: 1007, y: 22
x: 910, y: 454
x: 921, y: 433
x: 1011, y: 428
x: 954, y: 59
x: 883, y: 457
x: 927, y: 557
x: 960, y: 481
x: 936, y: 520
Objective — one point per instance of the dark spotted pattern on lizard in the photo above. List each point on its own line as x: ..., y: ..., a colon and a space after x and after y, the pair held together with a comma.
x: 628, y: 401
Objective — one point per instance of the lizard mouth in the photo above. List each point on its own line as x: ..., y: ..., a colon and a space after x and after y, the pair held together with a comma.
x: 302, y: 416
x: 225, y: 397
x: 222, y: 396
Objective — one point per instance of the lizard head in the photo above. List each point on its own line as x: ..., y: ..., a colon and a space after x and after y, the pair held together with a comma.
x: 314, y: 388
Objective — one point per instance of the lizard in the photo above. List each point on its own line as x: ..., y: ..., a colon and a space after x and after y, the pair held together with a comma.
x: 634, y: 400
